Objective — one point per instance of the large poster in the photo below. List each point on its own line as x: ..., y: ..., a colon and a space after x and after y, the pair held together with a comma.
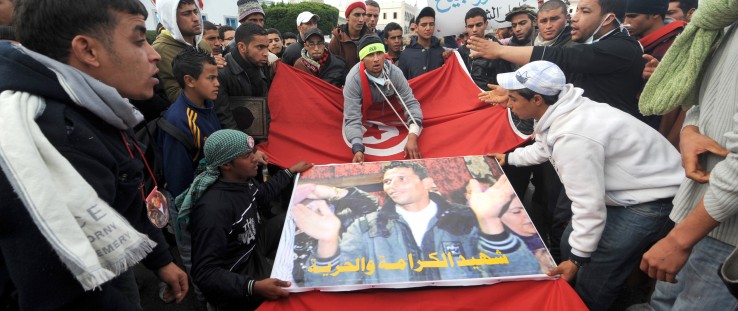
x: 440, y: 222
x: 450, y: 13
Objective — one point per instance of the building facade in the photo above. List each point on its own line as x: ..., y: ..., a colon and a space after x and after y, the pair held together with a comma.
x: 397, y: 11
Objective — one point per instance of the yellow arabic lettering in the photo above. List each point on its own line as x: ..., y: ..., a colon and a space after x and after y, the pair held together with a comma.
x: 314, y: 268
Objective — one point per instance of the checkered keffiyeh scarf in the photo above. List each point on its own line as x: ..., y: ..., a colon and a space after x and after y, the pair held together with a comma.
x: 220, y: 148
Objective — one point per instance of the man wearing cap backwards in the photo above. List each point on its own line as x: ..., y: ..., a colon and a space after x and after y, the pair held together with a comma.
x: 424, y: 53
x: 523, y: 21
x: 305, y: 21
x: 318, y: 61
x: 619, y: 173
x: 346, y: 38
x: 607, y: 66
x: 375, y: 74
x: 222, y: 207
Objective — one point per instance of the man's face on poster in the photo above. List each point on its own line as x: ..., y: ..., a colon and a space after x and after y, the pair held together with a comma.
x: 404, y: 186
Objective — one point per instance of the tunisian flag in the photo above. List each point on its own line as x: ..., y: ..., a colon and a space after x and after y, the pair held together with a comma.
x: 307, y: 120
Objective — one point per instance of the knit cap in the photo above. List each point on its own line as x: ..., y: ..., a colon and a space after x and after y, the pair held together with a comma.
x: 352, y: 6
x: 248, y: 7
x: 369, y: 44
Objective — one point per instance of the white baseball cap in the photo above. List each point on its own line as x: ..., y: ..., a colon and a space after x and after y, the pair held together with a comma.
x: 541, y: 76
x: 305, y: 17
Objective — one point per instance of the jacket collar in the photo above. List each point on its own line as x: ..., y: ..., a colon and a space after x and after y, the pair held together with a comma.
x: 434, y: 42
x: 455, y: 218
x: 344, y: 33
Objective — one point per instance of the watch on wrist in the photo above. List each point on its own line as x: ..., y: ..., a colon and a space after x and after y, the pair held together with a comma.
x: 577, y: 263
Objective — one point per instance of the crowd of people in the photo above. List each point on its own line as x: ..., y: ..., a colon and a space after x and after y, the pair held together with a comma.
x: 628, y: 103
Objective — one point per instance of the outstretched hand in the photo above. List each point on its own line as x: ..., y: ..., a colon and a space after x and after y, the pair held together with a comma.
x: 651, y: 65
x: 497, y: 95
x: 483, y: 47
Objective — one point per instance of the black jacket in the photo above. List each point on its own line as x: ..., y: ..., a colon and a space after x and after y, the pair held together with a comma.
x: 417, y: 60
x: 292, y: 52
x: 224, y: 224
x: 482, y: 70
x: 333, y: 71
x: 97, y: 152
x: 234, y: 81
x: 608, y: 70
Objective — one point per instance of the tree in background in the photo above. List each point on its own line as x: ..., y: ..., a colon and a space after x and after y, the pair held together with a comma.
x: 282, y: 16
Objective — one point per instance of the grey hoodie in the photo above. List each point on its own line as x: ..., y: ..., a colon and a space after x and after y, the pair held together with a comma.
x: 352, y: 100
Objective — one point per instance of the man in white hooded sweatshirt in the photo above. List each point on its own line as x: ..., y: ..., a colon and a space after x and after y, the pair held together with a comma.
x: 619, y: 173
x: 182, y: 23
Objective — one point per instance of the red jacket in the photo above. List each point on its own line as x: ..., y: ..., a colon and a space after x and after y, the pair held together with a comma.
x: 657, y: 43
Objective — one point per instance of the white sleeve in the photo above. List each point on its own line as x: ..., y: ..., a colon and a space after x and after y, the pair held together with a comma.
x: 580, y: 163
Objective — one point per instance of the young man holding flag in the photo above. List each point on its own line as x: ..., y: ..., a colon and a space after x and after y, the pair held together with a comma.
x: 374, y: 79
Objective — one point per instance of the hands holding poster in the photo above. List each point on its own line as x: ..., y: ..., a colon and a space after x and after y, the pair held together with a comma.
x: 445, y: 221
x: 450, y: 13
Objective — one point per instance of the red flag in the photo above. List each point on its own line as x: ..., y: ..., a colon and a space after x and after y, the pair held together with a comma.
x: 307, y: 118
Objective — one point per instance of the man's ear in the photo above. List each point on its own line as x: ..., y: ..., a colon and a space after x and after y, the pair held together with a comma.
x: 226, y: 167
x: 689, y: 13
x: 189, y: 81
x: 86, y: 50
x: 242, y: 47
x: 610, y: 19
x: 429, y: 184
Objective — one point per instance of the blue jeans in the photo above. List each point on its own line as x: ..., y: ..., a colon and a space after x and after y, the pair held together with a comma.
x: 628, y: 233
x: 699, y: 287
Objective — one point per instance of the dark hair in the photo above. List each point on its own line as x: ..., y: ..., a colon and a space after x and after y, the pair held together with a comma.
x: 222, y: 30
x: 289, y: 35
x: 390, y: 27
x: 686, y: 5
x: 206, y: 25
x: 7, y: 33
x: 412, y: 21
x: 48, y: 27
x: 372, y: 3
x: 548, y: 99
x: 246, y: 32
x: 551, y: 5
x: 272, y: 31
x: 419, y: 170
x: 189, y: 62
x: 474, y: 12
x: 183, y: 2
x: 613, y: 6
